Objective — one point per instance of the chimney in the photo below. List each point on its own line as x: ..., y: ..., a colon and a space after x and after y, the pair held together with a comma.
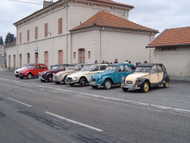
x: 46, y: 3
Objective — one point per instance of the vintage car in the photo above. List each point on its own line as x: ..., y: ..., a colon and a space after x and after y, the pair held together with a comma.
x: 112, y: 76
x: 47, y: 76
x: 60, y: 77
x: 83, y: 77
x: 145, y: 77
x: 32, y: 71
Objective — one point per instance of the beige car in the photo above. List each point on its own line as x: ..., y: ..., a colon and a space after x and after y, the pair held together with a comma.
x: 83, y: 77
x: 59, y: 78
x: 145, y: 77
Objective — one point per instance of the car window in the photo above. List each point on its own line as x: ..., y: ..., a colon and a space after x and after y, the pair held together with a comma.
x: 103, y: 67
x: 159, y: 68
x: 127, y: 68
x: 42, y: 67
x: 121, y: 69
x: 37, y: 67
x: 154, y: 69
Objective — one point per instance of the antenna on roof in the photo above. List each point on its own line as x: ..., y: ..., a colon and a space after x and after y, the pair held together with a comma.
x: 27, y: 2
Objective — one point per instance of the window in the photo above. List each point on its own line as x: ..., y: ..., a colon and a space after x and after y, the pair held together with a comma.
x: 14, y: 61
x: 89, y: 54
x: 60, y: 25
x: 46, y: 58
x: 74, y: 55
x: 20, y: 38
x: 36, y: 33
x: 20, y: 59
x: 28, y: 58
x: 28, y: 35
x: 60, y: 56
x: 9, y: 61
x: 36, y: 58
x: 46, y: 29
x: 81, y: 55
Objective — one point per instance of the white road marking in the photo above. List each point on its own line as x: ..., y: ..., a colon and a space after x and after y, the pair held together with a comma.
x: 161, y: 107
x: 20, y: 102
x: 74, y: 122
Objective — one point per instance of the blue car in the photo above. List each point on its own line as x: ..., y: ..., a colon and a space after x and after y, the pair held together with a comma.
x: 112, y: 76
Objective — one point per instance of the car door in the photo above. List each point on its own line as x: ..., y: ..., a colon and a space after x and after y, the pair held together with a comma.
x: 154, y: 75
x: 120, y: 74
x: 160, y: 74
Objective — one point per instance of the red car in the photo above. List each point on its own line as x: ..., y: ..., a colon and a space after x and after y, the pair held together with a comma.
x: 32, y: 71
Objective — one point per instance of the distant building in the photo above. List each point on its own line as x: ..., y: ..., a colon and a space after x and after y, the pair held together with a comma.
x: 172, y: 47
x: 79, y: 31
x: 2, y: 57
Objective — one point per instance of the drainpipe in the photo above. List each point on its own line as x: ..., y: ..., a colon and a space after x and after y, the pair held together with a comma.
x: 150, y: 54
x: 100, y: 43
x: 67, y: 34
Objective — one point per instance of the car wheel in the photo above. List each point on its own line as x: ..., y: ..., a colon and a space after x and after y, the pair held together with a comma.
x: 83, y: 82
x: 94, y: 87
x: 125, y: 89
x: 50, y: 78
x: 108, y: 84
x: 166, y: 84
x: 29, y: 76
x: 146, y: 87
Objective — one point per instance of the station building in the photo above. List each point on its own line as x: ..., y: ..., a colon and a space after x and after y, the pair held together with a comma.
x: 79, y: 31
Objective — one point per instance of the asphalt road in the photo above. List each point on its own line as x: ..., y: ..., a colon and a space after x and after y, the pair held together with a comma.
x: 31, y: 111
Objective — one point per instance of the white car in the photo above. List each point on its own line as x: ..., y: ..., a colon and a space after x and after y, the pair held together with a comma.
x: 59, y: 78
x: 83, y: 77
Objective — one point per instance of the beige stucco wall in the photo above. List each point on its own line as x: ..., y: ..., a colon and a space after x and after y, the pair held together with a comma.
x: 111, y: 45
x: 177, y: 61
x: 125, y: 46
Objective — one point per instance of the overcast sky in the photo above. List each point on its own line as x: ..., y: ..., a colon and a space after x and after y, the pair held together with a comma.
x: 157, y: 14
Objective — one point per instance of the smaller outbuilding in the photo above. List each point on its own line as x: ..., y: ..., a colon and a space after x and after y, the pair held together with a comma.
x: 172, y: 48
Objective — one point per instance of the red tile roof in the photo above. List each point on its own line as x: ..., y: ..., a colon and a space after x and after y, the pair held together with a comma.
x: 105, y: 19
x: 172, y: 37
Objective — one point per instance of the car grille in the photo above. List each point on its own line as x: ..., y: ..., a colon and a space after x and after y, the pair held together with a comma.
x: 129, y: 82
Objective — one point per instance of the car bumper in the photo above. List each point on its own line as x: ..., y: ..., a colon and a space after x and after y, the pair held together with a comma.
x: 71, y: 81
x: 41, y: 78
x: 130, y: 86
x: 94, y: 84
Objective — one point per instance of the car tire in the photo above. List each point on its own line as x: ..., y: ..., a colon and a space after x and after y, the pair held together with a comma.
x: 50, y: 78
x: 30, y: 76
x: 94, y: 87
x: 125, y: 89
x: 108, y: 84
x: 146, y: 87
x: 83, y: 82
x: 166, y: 84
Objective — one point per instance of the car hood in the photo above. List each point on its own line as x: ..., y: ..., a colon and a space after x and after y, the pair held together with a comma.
x: 136, y: 75
x: 20, y: 69
x: 83, y: 73
x: 102, y: 74
x: 64, y: 72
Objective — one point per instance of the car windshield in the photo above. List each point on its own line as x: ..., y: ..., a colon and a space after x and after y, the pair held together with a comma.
x: 30, y: 66
x: 143, y: 69
x: 55, y: 67
x: 90, y: 68
x: 72, y: 67
x: 112, y: 67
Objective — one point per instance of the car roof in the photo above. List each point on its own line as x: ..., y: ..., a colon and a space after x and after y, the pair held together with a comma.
x: 149, y: 65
